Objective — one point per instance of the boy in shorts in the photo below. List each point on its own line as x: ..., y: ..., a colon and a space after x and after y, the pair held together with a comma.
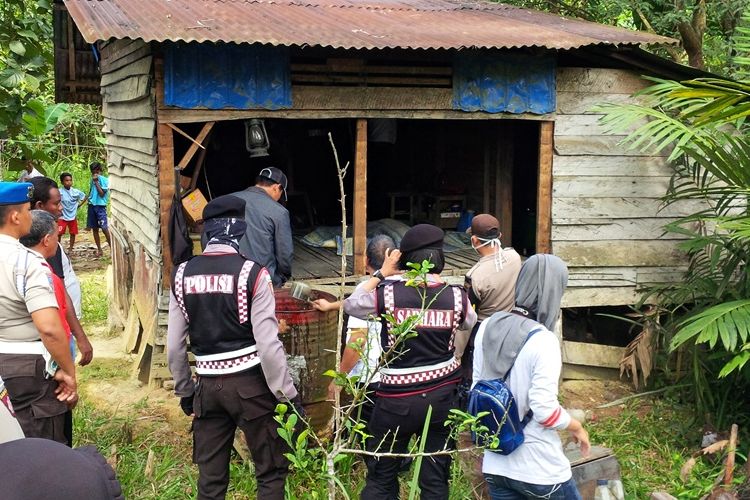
x: 98, y: 199
x: 72, y: 200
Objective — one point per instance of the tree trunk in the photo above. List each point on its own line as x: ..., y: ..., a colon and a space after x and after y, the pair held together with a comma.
x: 692, y: 35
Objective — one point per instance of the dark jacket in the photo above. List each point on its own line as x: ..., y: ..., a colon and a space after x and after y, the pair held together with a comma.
x: 268, y: 239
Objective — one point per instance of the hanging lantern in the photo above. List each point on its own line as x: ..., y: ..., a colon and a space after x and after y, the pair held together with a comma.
x: 256, y: 138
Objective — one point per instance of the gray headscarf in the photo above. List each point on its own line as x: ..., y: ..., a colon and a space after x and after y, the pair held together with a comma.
x: 539, y: 290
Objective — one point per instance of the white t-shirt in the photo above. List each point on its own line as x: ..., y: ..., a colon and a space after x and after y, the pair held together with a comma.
x: 72, y: 284
x: 368, y: 361
x: 534, y: 383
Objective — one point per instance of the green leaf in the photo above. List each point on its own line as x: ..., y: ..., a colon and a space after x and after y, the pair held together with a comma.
x: 17, y: 47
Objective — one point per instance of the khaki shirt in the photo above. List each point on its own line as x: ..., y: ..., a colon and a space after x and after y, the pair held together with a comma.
x: 15, y: 308
x: 494, y: 287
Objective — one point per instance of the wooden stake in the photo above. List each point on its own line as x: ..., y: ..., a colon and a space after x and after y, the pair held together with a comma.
x: 729, y: 470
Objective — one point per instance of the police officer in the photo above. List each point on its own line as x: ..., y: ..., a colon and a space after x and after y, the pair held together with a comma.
x: 32, y: 337
x: 225, y: 305
x: 420, y: 372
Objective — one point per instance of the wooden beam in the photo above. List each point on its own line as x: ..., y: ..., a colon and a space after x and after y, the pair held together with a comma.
x: 71, y: 50
x: 357, y: 109
x: 544, y: 189
x: 197, y: 143
x: 360, y: 198
x: 165, y: 151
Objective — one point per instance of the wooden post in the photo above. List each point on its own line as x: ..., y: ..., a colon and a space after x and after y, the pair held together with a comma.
x: 544, y: 191
x: 165, y: 150
x: 360, y: 198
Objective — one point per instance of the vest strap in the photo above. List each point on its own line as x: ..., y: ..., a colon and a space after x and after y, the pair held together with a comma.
x: 418, y: 374
x: 179, y: 290
x: 226, y: 365
x: 242, y: 287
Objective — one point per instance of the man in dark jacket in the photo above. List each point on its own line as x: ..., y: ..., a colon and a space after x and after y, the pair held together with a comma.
x: 268, y: 240
x: 224, y: 305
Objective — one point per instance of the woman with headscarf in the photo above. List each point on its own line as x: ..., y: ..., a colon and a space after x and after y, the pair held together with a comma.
x: 538, y: 468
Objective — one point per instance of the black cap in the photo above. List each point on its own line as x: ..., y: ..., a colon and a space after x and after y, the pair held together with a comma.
x: 275, y: 175
x: 225, y: 207
x: 422, y: 236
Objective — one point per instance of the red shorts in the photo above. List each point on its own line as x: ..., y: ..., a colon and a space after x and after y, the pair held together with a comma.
x: 72, y: 226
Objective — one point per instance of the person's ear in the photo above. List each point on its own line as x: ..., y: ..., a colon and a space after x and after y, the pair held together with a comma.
x: 37, y: 206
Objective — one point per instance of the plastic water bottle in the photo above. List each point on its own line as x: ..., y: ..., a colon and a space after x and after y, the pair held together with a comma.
x: 615, y: 486
x: 602, y: 490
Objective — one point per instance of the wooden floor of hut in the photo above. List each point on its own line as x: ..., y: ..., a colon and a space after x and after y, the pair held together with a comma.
x: 322, y: 264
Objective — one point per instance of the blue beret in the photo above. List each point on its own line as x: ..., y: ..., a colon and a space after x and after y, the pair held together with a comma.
x: 225, y: 207
x: 15, y: 193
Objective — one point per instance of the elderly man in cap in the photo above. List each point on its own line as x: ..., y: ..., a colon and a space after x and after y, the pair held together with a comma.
x: 224, y: 304
x: 420, y: 372
x: 268, y: 240
x: 35, y: 360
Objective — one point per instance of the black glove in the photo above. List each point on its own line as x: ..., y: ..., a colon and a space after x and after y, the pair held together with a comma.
x: 296, y: 402
x: 186, y: 403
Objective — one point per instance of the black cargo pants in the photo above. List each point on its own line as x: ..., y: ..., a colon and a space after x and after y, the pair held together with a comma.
x: 394, y: 422
x: 222, y: 404
x: 35, y: 404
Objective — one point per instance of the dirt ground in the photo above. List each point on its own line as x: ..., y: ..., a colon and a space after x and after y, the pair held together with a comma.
x: 110, y: 381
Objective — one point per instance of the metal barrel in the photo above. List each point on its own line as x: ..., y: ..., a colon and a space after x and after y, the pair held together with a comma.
x: 309, y: 338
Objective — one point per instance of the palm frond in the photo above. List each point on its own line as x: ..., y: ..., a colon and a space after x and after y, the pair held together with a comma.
x: 726, y: 322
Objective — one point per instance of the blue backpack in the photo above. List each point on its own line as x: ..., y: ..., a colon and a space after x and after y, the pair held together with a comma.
x: 494, y: 396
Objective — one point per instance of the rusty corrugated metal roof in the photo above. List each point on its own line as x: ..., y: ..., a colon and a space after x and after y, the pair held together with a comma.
x: 346, y: 24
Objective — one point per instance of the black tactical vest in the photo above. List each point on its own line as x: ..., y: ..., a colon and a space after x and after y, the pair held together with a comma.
x: 215, y: 294
x: 427, y: 359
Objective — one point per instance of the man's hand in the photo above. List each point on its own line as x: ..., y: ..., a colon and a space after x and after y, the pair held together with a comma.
x: 390, y: 263
x: 67, y: 388
x: 86, y: 349
x: 186, y: 403
x: 325, y: 306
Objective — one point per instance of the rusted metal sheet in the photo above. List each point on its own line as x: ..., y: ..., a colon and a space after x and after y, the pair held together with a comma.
x: 346, y: 24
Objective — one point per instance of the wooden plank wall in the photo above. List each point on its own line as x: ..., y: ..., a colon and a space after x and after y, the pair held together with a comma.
x: 129, y: 125
x: 606, y: 218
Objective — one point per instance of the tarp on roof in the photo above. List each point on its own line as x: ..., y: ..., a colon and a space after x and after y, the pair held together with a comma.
x: 345, y: 24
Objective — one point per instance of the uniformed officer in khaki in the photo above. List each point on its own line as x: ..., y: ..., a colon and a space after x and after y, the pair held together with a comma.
x: 32, y: 340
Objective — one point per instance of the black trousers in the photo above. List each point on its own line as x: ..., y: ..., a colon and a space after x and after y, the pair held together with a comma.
x: 221, y: 405
x: 394, y: 422
x: 37, y: 409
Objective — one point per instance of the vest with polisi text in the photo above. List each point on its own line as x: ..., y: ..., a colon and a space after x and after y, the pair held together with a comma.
x: 426, y: 360
x: 214, y: 292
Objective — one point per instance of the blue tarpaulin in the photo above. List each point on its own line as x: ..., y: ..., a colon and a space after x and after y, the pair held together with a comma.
x: 226, y: 76
x: 504, y: 83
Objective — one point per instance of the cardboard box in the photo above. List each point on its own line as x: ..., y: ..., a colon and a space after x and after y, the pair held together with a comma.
x: 194, y: 202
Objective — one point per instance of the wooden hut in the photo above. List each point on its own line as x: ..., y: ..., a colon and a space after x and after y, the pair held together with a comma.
x: 440, y: 106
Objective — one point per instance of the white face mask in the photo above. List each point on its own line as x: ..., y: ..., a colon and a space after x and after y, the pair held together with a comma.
x: 493, y: 243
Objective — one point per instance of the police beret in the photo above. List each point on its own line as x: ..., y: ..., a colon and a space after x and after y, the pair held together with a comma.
x: 14, y: 193
x: 422, y: 236
x: 225, y: 207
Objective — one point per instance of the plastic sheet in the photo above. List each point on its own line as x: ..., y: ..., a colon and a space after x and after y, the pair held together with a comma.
x: 226, y: 76
x: 504, y: 83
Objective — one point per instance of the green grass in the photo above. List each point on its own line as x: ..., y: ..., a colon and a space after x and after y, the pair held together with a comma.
x: 94, y: 303
x: 652, y: 440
